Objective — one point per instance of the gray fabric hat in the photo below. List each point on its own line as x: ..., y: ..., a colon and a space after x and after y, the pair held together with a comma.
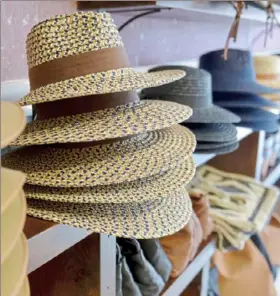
x: 250, y: 114
x: 222, y: 150
x: 193, y: 90
x: 268, y: 126
x: 213, y: 132
x: 201, y: 145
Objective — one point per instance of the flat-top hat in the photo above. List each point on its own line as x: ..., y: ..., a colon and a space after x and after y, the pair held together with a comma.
x: 193, y: 90
x: 236, y: 74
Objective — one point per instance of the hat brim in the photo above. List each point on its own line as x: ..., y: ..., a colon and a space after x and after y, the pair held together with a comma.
x: 213, y: 145
x: 150, y: 219
x: 144, y: 189
x: 209, y: 132
x: 122, y: 121
x: 219, y: 151
x: 244, y: 101
x: 249, y: 114
x: 268, y: 126
x: 119, y: 80
x: 233, y: 85
x: 122, y: 161
x: 12, y: 122
x: 212, y: 114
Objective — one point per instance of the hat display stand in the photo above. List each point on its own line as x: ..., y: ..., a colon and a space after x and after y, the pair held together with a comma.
x: 101, y: 164
x: 208, y: 122
x: 14, y: 251
x: 236, y: 89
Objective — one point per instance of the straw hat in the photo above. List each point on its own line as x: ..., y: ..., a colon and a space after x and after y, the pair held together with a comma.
x: 122, y: 161
x: 13, y: 270
x: 12, y: 122
x: 268, y: 73
x: 79, y: 55
x: 143, y: 189
x: 195, y: 91
x: 236, y: 74
x: 122, y: 121
x: 148, y: 219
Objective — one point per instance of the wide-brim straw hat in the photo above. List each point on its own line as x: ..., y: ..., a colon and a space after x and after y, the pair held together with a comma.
x: 13, y: 269
x: 12, y: 122
x: 267, y: 126
x: 236, y: 74
x: 82, y: 54
x: 250, y: 114
x: 149, y: 219
x: 122, y: 121
x: 122, y: 161
x: 238, y: 100
x: 135, y: 191
x: 219, y: 150
x: 212, y: 132
x: 193, y: 90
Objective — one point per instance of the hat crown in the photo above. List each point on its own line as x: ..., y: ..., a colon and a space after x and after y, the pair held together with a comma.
x: 68, y: 35
x: 239, y: 64
x: 194, y: 89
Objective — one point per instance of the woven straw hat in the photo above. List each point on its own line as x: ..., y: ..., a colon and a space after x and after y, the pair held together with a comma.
x: 140, y: 190
x: 122, y: 121
x: 12, y: 122
x: 149, y: 219
x: 193, y: 90
x: 79, y: 55
x: 13, y: 270
x: 122, y: 161
x: 268, y: 73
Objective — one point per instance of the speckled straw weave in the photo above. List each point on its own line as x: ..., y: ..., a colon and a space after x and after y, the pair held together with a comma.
x: 149, y: 219
x: 104, y: 124
x: 139, y: 157
x: 135, y: 191
x: 66, y: 36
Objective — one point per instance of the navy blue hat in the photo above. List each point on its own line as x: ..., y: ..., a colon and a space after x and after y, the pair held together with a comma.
x: 236, y: 74
x: 240, y: 100
x: 267, y: 126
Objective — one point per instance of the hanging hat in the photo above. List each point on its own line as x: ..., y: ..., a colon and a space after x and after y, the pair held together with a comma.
x: 193, y: 90
x: 236, y: 74
x: 224, y: 149
x: 82, y: 54
x: 122, y: 161
x: 140, y: 190
x: 240, y: 100
x: 13, y: 269
x: 209, y: 132
x: 148, y: 219
x: 12, y: 122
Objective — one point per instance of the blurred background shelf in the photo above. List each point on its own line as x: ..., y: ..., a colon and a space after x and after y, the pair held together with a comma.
x: 273, y: 177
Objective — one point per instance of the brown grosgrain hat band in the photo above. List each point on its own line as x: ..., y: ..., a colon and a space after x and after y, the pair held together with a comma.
x: 268, y: 76
x: 78, y: 65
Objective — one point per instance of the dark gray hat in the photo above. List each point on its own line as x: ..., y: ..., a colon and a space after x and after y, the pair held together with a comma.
x: 209, y: 132
x: 248, y: 114
x: 240, y: 100
x: 268, y: 126
x: 202, y: 145
x: 193, y: 90
x: 236, y: 74
x: 219, y: 150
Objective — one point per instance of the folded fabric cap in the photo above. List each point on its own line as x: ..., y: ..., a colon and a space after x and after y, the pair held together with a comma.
x: 127, y: 160
x: 224, y: 149
x: 149, y: 219
x: 240, y: 100
x: 193, y: 90
x: 12, y: 122
x: 149, y: 188
x: 212, y: 132
x: 236, y: 74
x: 82, y: 54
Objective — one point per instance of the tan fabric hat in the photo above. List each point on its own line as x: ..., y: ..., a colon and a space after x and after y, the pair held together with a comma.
x: 12, y: 122
x: 268, y: 73
x: 149, y: 219
x: 128, y: 160
x: 13, y: 270
x: 135, y: 191
x: 79, y: 55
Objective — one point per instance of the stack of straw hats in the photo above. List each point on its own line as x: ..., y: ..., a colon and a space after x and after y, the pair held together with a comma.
x: 14, y: 251
x: 235, y: 88
x: 268, y: 73
x: 212, y: 125
x: 101, y: 159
